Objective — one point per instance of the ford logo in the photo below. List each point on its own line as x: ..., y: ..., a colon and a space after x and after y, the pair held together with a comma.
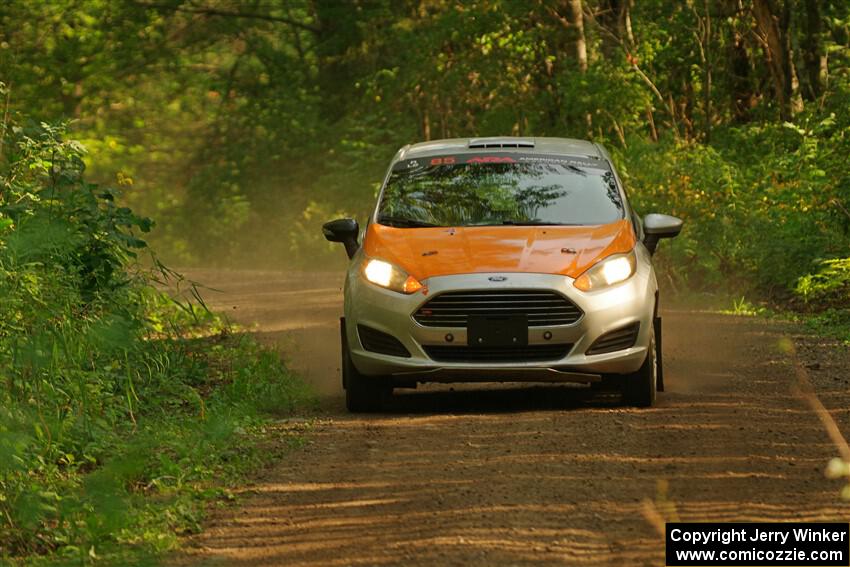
x: 497, y: 278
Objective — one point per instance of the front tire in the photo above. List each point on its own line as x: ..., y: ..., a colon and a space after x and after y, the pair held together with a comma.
x: 363, y: 394
x: 639, y: 388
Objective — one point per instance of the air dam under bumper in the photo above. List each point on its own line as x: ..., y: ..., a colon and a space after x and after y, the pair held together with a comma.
x: 603, y: 311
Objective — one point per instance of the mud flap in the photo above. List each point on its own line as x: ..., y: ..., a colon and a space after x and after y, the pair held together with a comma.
x: 342, y: 341
x: 656, y: 323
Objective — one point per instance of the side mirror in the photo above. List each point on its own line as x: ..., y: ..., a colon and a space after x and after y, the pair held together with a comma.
x: 345, y: 231
x: 656, y: 227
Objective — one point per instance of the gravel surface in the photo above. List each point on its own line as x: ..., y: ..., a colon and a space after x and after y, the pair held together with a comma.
x: 519, y: 475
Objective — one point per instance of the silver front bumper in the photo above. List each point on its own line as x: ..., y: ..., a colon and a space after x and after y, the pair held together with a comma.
x: 606, y: 310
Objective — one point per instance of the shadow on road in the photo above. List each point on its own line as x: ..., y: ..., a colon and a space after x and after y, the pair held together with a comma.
x: 489, y: 398
x: 493, y: 474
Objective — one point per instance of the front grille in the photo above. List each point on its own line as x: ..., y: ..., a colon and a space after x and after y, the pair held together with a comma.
x: 380, y: 342
x: 530, y: 353
x: 619, y: 339
x: 543, y: 308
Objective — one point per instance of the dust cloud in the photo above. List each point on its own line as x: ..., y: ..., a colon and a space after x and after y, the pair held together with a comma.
x: 297, y: 313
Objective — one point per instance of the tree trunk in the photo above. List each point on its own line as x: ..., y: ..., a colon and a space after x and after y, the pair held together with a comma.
x: 814, y: 58
x: 740, y: 85
x: 742, y: 92
x: 581, y: 38
x: 426, y: 124
x: 550, y: 66
x: 773, y: 26
x: 337, y: 31
x: 709, y: 62
x: 704, y: 41
x: 626, y: 22
x: 615, y: 17
x: 650, y: 118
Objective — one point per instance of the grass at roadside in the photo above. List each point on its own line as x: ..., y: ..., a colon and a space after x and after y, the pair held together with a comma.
x: 122, y: 409
x: 833, y: 323
x: 830, y: 323
x: 134, y: 489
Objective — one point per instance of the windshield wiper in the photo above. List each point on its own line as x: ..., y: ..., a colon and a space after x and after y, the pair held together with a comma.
x: 402, y: 222
x: 535, y: 222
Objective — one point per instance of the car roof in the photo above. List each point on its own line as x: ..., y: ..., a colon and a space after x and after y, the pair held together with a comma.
x: 530, y: 145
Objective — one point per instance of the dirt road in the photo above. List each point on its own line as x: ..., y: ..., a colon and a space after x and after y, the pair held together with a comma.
x: 521, y: 476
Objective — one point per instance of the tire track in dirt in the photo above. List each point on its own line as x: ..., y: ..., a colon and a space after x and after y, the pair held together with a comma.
x: 525, y: 475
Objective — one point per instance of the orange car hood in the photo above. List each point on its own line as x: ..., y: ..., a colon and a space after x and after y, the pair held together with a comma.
x: 441, y: 251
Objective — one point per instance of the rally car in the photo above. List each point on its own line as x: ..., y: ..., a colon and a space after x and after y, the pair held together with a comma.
x: 501, y: 259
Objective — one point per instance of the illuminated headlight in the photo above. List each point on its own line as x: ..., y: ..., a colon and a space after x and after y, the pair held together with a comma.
x: 389, y: 276
x: 610, y: 271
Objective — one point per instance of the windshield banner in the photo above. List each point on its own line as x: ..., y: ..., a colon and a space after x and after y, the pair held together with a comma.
x: 499, y: 157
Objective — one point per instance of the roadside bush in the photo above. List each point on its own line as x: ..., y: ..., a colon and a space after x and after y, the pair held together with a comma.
x: 826, y: 295
x: 763, y: 204
x: 117, y: 403
x: 829, y: 285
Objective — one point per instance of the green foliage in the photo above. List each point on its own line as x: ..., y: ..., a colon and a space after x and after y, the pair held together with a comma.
x: 237, y: 127
x: 831, y: 283
x: 253, y: 126
x: 118, y: 405
x: 826, y: 297
x: 741, y: 306
x: 762, y: 204
x: 831, y: 322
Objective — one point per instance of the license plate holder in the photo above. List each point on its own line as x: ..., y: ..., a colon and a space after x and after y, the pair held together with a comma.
x: 497, y: 330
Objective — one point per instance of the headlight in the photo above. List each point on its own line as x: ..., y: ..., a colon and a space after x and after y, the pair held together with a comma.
x: 611, y: 270
x: 391, y: 277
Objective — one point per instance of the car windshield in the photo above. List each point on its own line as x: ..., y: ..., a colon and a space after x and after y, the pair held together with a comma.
x: 499, y: 190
